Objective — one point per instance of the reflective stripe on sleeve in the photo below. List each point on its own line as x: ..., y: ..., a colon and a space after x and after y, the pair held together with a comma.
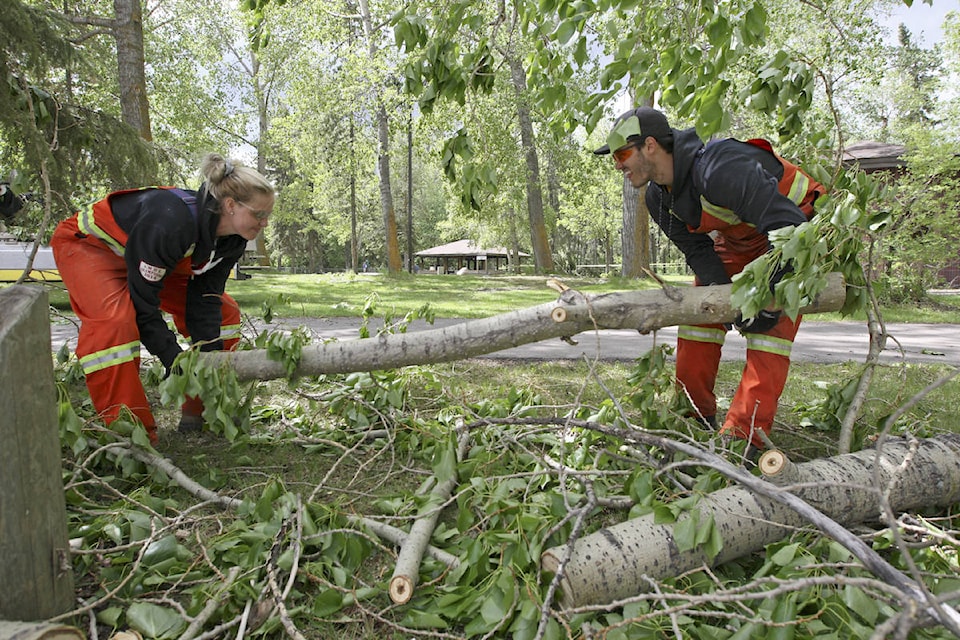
x: 230, y: 332
x: 87, y: 224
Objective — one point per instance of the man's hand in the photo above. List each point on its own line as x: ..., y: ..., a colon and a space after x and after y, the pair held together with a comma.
x: 760, y: 323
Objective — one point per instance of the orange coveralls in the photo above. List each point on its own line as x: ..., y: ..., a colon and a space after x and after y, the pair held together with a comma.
x: 108, y: 344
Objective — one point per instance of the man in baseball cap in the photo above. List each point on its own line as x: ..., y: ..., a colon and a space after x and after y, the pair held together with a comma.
x: 717, y: 202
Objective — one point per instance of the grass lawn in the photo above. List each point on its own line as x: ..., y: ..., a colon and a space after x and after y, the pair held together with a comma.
x: 470, y: 296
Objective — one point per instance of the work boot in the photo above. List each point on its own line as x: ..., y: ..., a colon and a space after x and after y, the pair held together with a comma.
x: 751, y: 456
x: 191, y: 416
x: 745, y: 454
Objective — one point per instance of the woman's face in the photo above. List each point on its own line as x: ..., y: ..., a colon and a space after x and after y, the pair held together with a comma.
x: 245, y: 219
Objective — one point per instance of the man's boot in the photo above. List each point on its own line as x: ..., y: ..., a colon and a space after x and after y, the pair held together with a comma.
x: 191, y: 415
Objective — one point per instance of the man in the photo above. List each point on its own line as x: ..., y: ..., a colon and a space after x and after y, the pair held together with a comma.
x: 10, y: 203
x: 717, y: 202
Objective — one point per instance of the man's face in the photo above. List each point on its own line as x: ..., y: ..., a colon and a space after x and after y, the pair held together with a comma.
x: 634, y: 164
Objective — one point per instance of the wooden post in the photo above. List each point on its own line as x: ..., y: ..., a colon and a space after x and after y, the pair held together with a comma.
x: 35, y: 568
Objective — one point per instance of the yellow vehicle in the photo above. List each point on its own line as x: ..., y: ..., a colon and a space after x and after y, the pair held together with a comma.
x: 14, y: 256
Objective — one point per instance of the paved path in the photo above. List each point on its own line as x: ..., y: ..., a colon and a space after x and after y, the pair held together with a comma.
x: 817, y: 342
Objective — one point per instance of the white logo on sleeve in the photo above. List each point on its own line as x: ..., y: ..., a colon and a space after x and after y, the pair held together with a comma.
x: 151, y: 273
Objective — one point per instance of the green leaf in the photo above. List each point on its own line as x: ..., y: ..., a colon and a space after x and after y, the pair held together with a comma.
x: 564, y: 31
x: 785, y: 555
x: 329, y: 601
x: 154, y: 621
x: 858, y: 602
x: 685, y: 533
x: 423, y: 620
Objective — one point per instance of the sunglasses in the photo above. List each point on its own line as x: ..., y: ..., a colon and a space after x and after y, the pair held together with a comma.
x: 621, y: 155
x: 259, y: 215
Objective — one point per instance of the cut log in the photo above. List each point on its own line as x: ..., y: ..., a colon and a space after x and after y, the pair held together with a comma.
x: 407, y: 570
x: 11, y: 630
x: 614, y: 562
x: 573, y: 313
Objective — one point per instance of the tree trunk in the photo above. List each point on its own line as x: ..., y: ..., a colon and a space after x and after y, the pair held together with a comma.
x: 35, y: 572
x: 391, y: 244
x: 38, y: 631
x: 636, y: 232
x: 539, y: 241
x: 615, y: 562
x: 263, y: 124
x: 571, y: 314
x: 128, y: 31
x: 354, y: 237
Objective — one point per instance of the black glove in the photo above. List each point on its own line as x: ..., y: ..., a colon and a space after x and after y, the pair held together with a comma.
x: 760, y: 323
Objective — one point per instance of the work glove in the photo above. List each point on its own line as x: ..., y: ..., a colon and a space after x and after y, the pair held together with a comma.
x: 760, y: 323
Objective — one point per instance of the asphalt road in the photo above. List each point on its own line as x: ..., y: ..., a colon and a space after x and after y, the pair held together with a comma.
x: 817, y: 342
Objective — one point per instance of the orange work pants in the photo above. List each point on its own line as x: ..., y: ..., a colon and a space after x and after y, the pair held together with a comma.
x: 108, y: 344
x: 754, y: 404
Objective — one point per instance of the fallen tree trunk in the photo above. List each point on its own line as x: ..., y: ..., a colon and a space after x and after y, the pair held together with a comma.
x: 573, y: 313
x: 613, y: 563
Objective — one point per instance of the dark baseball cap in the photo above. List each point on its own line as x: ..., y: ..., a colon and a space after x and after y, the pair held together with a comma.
x: 636, y: 123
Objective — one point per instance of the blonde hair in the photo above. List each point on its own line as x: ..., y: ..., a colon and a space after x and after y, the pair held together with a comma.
x: 230, y: 179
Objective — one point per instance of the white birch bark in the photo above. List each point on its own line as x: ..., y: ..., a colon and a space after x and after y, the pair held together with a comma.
x: 615, y: 562
x: 573, y: 313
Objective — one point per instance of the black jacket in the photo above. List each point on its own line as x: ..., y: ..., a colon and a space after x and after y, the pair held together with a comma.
x: 161, y: 232
x: 730, y: 174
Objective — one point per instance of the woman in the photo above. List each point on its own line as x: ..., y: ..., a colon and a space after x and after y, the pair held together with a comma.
x: 138, y: 253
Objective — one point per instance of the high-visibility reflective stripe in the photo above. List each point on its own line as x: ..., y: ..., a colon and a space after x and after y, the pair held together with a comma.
x: 798, y: 190
x: 721, y: 213
x: 701, y: 334
x: 110, y: 357
x: 769, y: 344
x: 229, y: 331
x: 796, y: 193
x: 86, y: 222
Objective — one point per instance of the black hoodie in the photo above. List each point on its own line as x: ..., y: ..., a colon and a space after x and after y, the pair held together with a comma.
x: 162, y: 231
x: 727, y: 173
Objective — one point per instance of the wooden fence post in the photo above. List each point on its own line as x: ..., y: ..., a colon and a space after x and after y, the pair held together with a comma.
x: 34, y: 551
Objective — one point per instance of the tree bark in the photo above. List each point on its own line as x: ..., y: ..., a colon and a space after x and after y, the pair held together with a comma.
x: 131, y: 75
x: 263, y: 124
x: 391, y: 244
x: 636, y: 232
x: 614, y: 562
x: 539, y: 241
x: 573, y: 313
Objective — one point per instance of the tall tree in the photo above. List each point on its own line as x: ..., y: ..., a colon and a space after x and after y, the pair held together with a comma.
x: 394, y: 263
x: 539, y: 240
x: 126, y: 27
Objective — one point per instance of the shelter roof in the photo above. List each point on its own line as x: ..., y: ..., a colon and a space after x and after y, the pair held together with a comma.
x: 872, y: 155
x: 464, y: 248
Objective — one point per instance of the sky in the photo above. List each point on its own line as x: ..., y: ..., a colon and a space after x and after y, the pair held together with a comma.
x: 924, y: 21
